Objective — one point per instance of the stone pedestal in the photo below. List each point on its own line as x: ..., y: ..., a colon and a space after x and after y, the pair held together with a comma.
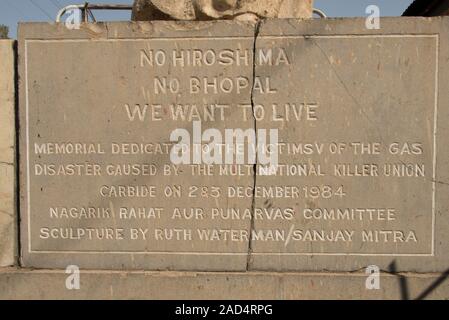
x: 361, y: 113
x: 51, y: 284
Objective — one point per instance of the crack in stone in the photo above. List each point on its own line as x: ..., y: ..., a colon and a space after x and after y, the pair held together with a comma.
x: 5, y: 213
x: 253, y: 202
x: 107, y: 30
x: 440, y: 182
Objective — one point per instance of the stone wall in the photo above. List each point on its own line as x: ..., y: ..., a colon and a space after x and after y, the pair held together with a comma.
x: 404, y: 275
x: 8, y: 221
x: 50, y: 284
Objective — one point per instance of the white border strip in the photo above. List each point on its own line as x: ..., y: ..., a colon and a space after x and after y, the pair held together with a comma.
x: 435, y: 126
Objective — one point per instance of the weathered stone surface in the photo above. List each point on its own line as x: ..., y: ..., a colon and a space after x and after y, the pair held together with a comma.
x: 158, y: 222
x: 363, y: 195
x: 148, y: 10
x: 50, y: 284
x: 163, y: 10
x: 8, y: 236
x: 339, y: 84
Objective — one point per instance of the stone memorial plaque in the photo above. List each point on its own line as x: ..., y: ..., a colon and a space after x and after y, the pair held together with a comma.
x: 102, y: 186
x: 129, y: 134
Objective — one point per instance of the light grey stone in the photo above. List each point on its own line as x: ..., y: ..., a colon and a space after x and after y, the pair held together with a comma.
x: 66, y: 104
x: 384, y: 87
x: 345, y: 83
x: 8, y: 235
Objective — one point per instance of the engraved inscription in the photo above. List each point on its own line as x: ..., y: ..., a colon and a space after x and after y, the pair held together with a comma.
x: 353, y: 175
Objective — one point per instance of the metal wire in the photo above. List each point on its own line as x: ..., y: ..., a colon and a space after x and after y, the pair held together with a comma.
x: 41, y: 9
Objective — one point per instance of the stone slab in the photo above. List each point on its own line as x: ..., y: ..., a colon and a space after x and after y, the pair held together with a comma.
x: 363, y: 196
x: 50, y: 284
x: 8, y: 230
x: 342, y: 85
x: 161, y: 222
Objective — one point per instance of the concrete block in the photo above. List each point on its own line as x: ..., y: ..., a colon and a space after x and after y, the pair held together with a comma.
x: 8, y: 221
